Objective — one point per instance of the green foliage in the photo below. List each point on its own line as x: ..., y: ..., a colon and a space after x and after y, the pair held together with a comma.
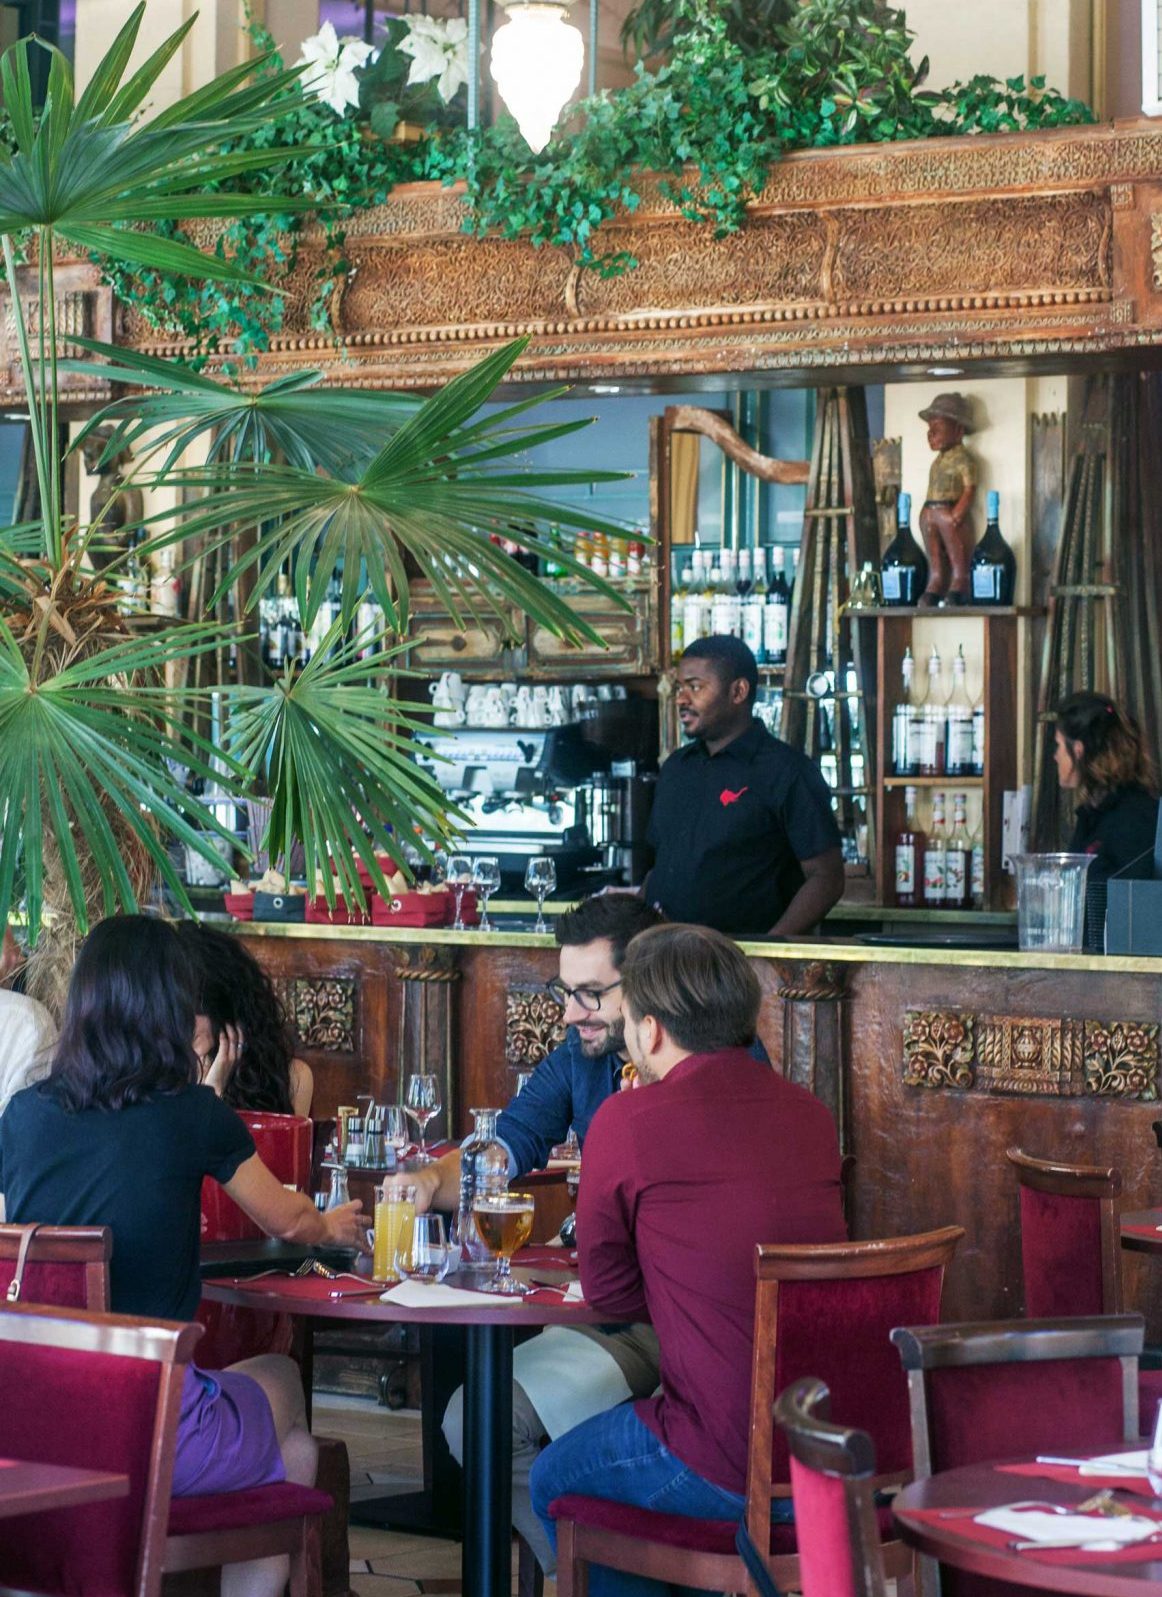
x: 742, y: 83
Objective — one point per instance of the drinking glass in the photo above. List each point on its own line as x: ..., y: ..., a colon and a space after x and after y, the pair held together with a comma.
x: 486, y: 879
x: 540, y: 880
x: 423, y: 1253
x: 395, y: 1128
x: 458, y: 875
x: 505, y: 1223
x: 1154, y: 1456
x: 395, y: 1210
x: 423, y: 1103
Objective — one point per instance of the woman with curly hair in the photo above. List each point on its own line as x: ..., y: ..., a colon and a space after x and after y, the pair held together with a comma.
x: 242, y: 1038
x: 1099, y: 753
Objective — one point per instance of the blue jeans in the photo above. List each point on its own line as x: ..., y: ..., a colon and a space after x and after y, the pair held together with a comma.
x: 615, y: 1456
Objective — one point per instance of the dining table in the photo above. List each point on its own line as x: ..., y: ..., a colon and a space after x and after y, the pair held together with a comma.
x: 29, y: 1487
x: 936, y: 1516
x: 488, y: 1324
x: 1141, y: 1230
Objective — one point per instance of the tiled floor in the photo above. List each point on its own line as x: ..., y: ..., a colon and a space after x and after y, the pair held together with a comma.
x: 384, y: 1449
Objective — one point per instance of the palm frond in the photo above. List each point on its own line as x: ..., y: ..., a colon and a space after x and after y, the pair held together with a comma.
x: 338, y: 755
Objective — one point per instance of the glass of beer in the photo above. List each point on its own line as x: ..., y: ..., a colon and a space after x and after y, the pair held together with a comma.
x: 505, y: 1223
x: 395, y: 1213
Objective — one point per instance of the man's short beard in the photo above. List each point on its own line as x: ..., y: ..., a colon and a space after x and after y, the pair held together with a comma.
x: 613, y: 1042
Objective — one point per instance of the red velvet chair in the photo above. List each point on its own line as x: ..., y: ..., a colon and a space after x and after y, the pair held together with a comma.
x: 284, y: 1145
x: 832, y: 1469
x: 98, y: 1391
x: 827, y: 1308
x: 1006, y: 1388
x: 1071, y: 1255
x: 64, y: 1267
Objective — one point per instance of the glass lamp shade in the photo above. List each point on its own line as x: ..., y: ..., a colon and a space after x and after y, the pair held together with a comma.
x: 536, y: 60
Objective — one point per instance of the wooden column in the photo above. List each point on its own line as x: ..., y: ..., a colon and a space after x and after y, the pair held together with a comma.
x: 813, y: 1043
x: 427, y: 976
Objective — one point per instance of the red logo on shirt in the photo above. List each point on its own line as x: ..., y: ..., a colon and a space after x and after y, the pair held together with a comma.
x: 727, y: 797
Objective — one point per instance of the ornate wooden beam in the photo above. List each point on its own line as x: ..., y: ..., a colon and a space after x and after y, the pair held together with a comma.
x: 1009, y: 250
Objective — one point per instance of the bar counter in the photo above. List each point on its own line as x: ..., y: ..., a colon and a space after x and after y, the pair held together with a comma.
x: 934, y: 1061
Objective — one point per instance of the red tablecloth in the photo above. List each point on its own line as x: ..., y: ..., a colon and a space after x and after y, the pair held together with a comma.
x: 1098, y: 1483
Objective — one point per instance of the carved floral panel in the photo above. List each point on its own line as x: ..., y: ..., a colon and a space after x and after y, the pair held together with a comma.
x: 320, y: 1011
x: 532, y: 1026
x: 1056, y: 1057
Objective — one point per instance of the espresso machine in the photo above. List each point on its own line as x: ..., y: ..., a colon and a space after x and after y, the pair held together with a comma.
x: 572, y: 792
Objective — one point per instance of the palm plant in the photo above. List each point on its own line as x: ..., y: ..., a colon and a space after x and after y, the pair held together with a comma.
x: 101, y: 720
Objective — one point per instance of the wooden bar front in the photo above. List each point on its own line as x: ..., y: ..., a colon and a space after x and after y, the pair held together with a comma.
x: 934, y: 1063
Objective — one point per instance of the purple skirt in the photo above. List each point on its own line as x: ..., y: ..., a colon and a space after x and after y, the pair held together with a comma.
x: 226, y: 1436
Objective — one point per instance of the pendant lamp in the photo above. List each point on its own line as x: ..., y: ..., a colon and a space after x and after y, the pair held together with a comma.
x: 536, y: 61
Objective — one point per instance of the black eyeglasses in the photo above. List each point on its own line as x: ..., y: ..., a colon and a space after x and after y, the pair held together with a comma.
x: 589, y: 998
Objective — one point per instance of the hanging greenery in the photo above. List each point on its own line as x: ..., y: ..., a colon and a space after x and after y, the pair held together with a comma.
x: 741, y: 85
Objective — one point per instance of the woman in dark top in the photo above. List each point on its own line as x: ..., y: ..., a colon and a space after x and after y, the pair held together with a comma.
x: 121, y: 1133
x: 241, y: 1035
x: 1099, y: 754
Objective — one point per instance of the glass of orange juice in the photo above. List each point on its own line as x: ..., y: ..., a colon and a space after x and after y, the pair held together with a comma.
x: 395, y: 1211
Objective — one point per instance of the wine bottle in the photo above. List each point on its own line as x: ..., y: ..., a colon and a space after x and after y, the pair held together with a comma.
x: 693, y: 599
x: 935, y: 857
x: 777, y: 611
x: 678, y: 611
x: 934, y: 728
x: 958, y: 859
x: 754, y: 605
x: 904, y: 567
x: 910, y: 846
x: 958, y: 715
x: 994, y: 565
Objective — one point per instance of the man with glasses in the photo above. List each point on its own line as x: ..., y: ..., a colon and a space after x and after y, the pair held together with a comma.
x: 567, y: 1374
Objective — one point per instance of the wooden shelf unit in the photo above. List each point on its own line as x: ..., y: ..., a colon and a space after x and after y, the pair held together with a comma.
x: 893, y: 636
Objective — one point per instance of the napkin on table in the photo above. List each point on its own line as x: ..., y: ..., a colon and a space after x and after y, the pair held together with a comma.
x: 415, y: 1295
x: 1072, y: 1530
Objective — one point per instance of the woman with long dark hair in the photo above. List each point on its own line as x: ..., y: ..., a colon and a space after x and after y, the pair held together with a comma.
x: 121, y: 1133
x: 1100, y: 755
x: 241, y: 1035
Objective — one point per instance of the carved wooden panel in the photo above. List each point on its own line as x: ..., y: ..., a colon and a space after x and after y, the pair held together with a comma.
x: 532, y: 1026
x: 83, y: 308
x: 1057, y: 1057
x: 438, y: 644
x: 630, y: 638
x: 320, y: 1011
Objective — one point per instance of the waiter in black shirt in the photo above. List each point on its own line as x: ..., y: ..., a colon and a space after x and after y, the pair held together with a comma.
x: 742, y: 829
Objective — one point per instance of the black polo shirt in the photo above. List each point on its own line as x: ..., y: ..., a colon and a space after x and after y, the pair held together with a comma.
x: 729, y: 829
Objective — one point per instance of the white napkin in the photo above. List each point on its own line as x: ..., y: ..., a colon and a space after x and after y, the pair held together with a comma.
x: 1116, y: 1464
x: 574, y: 1294
x: 415, y: 1295
x: 1069, y: 1530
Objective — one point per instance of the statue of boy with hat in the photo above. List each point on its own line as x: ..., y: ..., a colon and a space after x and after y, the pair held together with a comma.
x: 945, y: 518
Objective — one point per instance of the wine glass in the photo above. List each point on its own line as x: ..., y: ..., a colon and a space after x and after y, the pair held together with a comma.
x: 458, y: 875
x: 505, y: 1223
x: 486, y: 879
x: 423, y: 1253
x: 423, y: 1103
x: 1154, y: 1456
x: 395, y: 1129
x: 541, y: 880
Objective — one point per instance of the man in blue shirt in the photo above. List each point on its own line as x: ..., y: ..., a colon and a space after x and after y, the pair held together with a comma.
x: 567, y: 1374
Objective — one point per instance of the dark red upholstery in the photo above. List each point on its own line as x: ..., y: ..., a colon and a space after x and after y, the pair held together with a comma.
x: 57, y: 1286
x: 1061, y: 1255
x: 261, y: 1505
x: 1149, y: 1397
x: 232, y: 1334
x: 90, y: 1410
x: 840, y: 1331
x: 823, y: 1533
x: 991, y: 1411
x: 675, y: 1530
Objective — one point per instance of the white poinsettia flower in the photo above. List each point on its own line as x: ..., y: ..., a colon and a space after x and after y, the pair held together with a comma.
x: 439, y: 49
x: 331, y: 64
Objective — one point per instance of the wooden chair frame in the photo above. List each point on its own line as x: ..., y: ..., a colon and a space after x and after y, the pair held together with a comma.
x: 579, y: 1545
x: 91, y: 1246
x: 1082, y: 1181
x: 802, y: 1412
x: 165, y: 1343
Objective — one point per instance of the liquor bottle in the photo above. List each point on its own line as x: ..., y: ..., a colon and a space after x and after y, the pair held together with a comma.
x: 976, y: 878
x: 793, y: 583
x: 932, y: 745
x: 693, y: 596
x: 935, y: 857
x: 726, y: 620
x: 958, y: 722
x: 777, y: 612
x: 743, y: 577
x: 483, y: 1169
x: 904, y: 761
x: 910, y: 851
x: 904, y: 566
x: 994, y: 565
x: 678, y: 609
x: 754, y: 605
x: 917, y: 721
x: 978, y: 739
x: 958, y: 859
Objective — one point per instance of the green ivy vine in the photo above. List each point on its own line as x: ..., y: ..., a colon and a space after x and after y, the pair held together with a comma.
x: 708, y: 120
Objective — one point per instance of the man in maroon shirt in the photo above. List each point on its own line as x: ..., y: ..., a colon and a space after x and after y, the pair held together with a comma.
x: 712, y: 1154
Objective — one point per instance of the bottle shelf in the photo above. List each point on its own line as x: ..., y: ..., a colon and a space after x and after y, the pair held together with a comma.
x: 933, y: 781
x: 943, y: 613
